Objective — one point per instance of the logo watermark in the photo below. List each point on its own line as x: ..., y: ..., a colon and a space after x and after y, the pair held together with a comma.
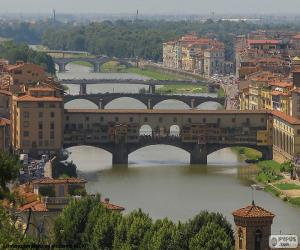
x: 283, y: 241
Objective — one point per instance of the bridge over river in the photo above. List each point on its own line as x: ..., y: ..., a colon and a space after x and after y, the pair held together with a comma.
x: 150, y: 100
x: 151, y: 83
x: 201, y: 132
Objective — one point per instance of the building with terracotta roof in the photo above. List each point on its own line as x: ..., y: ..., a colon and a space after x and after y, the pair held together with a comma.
x: 191, y: 53
x: 5, y: 134
x: 37, y: 118
x: 252, y: 228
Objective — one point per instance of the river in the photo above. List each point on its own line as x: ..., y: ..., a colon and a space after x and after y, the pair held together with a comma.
x: 159, y: 179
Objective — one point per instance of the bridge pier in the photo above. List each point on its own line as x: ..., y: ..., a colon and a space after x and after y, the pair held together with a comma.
x: 61, y: 67
x: 96, y: 67
x: 151, y: 89
x: 100, y: 104
x: 82, y: 90
x: 120, y: 154
x: 199, y: 155
x: 267, y: 154
x: 192, y: 103
x: 149, y: 105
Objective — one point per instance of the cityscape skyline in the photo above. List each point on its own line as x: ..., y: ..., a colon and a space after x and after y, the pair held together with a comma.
x: 167, y: 7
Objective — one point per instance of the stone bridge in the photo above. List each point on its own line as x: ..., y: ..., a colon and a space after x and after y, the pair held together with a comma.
x: 97, y: 62
x: 151, y: 83
x: 200, y: 132
x: 149, y: 100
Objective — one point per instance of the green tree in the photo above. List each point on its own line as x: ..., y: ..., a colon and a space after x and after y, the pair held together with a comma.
x: 9, y: 169
x: 70, y: 225
x: 211, y: 237
x: 193, y: 226
x: 131, y: 230
x: 9, y: 235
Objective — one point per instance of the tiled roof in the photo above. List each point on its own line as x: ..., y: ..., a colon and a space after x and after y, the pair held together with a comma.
x: 285, y: 117
x: 281, y: 84
x: 253, y: 211
x: 4, y: 92
x: 263, y: 41
x: 4, y: 122
x: 276, y: 93
x: 58, y: 181
x: 36, y: 206
x: 111, y: 206
x: 29, y: 98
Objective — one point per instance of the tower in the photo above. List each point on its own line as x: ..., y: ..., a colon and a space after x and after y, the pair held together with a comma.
x: 252, y: 228
x: 54, y: 15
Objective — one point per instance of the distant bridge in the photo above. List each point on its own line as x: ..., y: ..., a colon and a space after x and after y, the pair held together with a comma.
x: 151, y: 83
x: 150, y: 100
x: 201, y: 132
x: 97, y: 62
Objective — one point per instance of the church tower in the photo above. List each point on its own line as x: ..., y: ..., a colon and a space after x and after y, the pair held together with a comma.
x: 252, y: 228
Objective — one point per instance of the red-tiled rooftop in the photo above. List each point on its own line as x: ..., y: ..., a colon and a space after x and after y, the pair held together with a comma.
x: 255, y: 41
x: 35, y: 206
x: 276, y: 93
x: 111, y: 206
x: 58, y: 181
x: 253, y: 211
x: 285, y: 117
x: 5, y: 92
x: 281, y: 84
x: 29, y: 98
x: 4, y: 122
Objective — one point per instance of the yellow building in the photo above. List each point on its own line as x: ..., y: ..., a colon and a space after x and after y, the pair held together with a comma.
x: 286, y: 137
x: 37, y: 121
x: 5, y: 139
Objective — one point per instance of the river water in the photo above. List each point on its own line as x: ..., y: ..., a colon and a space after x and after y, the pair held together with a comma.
x: 159, y: 179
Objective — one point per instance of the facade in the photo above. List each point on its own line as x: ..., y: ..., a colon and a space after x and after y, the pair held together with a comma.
x: 37, y: 121
x: 190, y: 53
x: 5, y: 134
x: 5, y: 104
x: 252, y: 228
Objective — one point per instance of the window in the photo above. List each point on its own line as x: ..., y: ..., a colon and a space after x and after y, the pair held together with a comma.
x: 41, y: 114
x: 219, y: 120
x: 40, y: 134
x: 131, y: 119
x: 25, y: 133
x: 262, y: 120
x: 146, y: 119
x: 52, y: 134
x: 298, y: 131
x: 101, y: 119
x: 52, y: 105
x: 160, y: 119
x: 26, y: 124
x: 204, y: 119
x: 26, y: 114
x: 233, y: 119
x: 240, y: 235
x: 258, y: 238
x: 116, y: 119
x: 67, y: 118
x: 190, y: 120
x: 52, y: 114
x: 52, y: 125
x: 40, y: 125
x: 40, y: 104
x: 174, y: 119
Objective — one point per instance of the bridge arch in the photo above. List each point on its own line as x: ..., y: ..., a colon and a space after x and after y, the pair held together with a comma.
x: 85, y: 103
x: 145, y: 130
x: 171, y: 104
x: 174, y: 130
x: 123, y: 104
x: 210, y: 105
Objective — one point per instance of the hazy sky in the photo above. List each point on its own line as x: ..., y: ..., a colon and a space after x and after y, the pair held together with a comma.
x: 151, y: 6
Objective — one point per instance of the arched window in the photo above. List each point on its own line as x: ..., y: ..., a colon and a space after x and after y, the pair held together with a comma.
x: 241, y: 237
x: 258, y: 238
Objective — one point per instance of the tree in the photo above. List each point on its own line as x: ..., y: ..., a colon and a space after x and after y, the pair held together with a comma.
x: 70, y: 225
x: 131, y: 230
x: 9, y: 169
x: 194, y: 225
x: 289, y: 167
x: 211, y: 237
x: 9, y: 235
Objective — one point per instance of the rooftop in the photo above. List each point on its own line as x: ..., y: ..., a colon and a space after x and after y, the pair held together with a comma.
x: 58, y: 181
x: 29, y: 98
x: 4, y: 121
x: 253, y: 211
x: 166, y: 111
x: 285, y: 117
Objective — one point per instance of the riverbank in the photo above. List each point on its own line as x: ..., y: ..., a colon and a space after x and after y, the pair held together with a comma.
x: 276, y: 180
